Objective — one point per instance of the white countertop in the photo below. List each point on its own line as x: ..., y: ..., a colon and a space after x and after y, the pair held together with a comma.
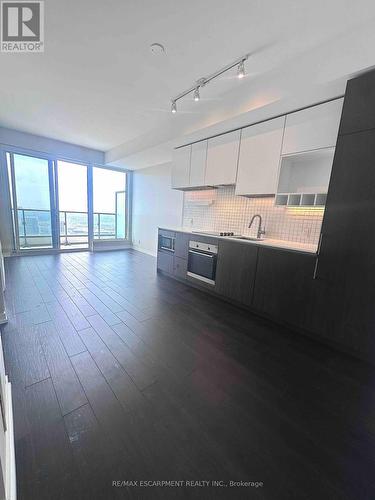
x: 293, y: 246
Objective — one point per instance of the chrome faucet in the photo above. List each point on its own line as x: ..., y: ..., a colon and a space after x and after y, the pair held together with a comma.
x: 260, y: 230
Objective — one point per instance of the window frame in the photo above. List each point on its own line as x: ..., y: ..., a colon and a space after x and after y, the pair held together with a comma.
x: 128, y: 204
x: 52, y: 161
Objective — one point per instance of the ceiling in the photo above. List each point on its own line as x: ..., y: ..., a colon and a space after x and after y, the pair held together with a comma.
x: 98, y: 85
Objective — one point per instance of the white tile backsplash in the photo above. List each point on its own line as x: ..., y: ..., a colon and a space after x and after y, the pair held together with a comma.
x: 220, y: 210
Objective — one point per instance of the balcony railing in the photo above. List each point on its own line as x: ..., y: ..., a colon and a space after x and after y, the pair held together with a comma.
x: 104, y: 225
x: 73, y: 228
x: 35, y: 227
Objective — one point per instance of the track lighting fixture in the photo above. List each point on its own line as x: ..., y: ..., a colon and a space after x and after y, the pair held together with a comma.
x: 195, y: 90
x: 241, y: 69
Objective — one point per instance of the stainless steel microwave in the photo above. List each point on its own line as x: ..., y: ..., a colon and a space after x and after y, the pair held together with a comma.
x: 166, y: 242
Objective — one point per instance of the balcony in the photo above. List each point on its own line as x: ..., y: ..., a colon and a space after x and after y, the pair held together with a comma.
x: 74, y: 227
x: 35, y: 228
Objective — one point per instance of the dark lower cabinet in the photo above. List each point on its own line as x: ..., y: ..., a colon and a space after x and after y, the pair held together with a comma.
x: 180, y: 267
x: 235, y: 272
x: 284, y: 286
x: 181, y: 245
x: 170, y: 264
x: 165, y: 261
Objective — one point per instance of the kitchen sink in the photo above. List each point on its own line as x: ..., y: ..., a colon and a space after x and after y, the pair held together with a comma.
x: 247, y: 238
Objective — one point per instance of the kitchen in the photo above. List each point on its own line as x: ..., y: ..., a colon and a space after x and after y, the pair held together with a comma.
x: 252, y: 228
x: 187, y: 251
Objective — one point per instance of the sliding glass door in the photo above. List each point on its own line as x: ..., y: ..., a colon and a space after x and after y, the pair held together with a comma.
x: 110, y: 214
x: 58, y: 204
x: 72, y: 202
x: 32, y: 178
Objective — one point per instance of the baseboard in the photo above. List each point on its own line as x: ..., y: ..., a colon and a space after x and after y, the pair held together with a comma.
x: 110, y: 246
x: 144, y: 250
x: 11, y: 483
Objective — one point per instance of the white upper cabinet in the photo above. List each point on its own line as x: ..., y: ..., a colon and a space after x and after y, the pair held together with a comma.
x: 312, y: 128
x: 222, y: 158
x: 259, y: 158
x: 198, y: 164
x: 181, y: 168
x: 214, y: 162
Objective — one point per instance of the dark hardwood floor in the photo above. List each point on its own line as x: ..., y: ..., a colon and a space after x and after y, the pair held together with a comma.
x: 120, y: 374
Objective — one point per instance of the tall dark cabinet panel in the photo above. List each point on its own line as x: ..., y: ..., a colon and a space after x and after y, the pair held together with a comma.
x: 345, y: 284
x: 235, y: 273
x: 181, y: 245
x: 284, y: 286
x: 358, y: 111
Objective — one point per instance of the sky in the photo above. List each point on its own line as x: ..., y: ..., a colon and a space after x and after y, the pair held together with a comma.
x: 32, y: 185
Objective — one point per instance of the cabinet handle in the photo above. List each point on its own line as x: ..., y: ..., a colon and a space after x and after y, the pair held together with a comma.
x: 203, y: 254
x: 315, y: 275
x: 3, y: 413
x: 320, y: 243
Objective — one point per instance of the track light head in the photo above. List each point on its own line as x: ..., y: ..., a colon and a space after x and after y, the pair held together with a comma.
x: 202, y: 82
x: 241, y: 69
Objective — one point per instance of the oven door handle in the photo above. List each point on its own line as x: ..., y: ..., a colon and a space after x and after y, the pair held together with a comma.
x: 201, y: 253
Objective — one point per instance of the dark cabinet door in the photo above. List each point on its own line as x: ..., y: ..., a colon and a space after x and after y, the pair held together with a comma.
x: 348, y: 236
x: 180, y: 267
x: 235, y: 272
x: 181, y: 245
x: 284, y: 286
x: 346, y: 264
x: 165, y: 261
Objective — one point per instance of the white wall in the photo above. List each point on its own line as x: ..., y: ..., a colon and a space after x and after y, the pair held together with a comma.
x: 154, y: 204
x: 15, y: 138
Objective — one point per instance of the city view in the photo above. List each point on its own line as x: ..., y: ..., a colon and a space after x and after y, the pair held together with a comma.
x: 36, y: 225
x: 33, y: 193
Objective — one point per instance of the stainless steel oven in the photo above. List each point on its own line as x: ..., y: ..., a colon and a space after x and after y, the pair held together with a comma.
x: 202, y: 261
x: 166, y: 242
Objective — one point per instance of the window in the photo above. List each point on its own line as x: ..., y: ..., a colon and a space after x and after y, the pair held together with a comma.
x: 59, y: 204
x: 73, y: 212
x: 109, y: 197
x: 32, y: 192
